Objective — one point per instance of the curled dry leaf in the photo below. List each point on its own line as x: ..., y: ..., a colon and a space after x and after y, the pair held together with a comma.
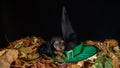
x: 8, y: 57
x: 99, y: 45
x: 95, y: 43
x: 111, y: 42
x: 2, y: 52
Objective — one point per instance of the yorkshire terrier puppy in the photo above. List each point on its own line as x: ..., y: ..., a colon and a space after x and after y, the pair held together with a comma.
x: 54, y: 48
x: 59, y: 46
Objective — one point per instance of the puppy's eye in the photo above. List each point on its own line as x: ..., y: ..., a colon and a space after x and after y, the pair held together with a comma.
x: 61, y: 42
x: 56, y: 43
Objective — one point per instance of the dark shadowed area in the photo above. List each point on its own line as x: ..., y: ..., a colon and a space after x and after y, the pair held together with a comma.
x: 91, y: 20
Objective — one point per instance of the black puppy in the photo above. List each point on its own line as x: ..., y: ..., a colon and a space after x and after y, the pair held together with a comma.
x: 52, y: 49
x: 46, y: 49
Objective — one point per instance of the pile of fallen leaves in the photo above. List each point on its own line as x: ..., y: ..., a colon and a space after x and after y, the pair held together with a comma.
x: 108, y: 55
x: 23, y: 53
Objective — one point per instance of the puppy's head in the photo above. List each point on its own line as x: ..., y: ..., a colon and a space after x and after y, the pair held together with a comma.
x: 58, y: 43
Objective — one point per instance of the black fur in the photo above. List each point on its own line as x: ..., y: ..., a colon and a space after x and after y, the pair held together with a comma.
x: 47, y: 49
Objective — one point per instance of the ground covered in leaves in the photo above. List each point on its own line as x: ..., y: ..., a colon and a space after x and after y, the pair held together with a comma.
x: 23, y: 53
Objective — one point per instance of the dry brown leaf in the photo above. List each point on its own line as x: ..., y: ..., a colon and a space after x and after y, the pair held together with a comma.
x: 102, y: 47
x: 16, y: 64
x: 81, y: 63
x: 43, y: 66
x: 6, y: 59
x: 2, y: 52
x: 27, y: 41
x: 75, y: 66
x: 98, y: 45
x: 22, y: 55
x: 35, y: 55
x: 53, y: 65
x: 111, y: 42
x: 115, y: 62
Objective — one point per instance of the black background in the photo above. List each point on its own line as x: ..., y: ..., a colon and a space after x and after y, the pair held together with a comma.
x: 96, y: 20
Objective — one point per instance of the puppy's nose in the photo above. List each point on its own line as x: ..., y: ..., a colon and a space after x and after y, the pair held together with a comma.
x: 61, y: 48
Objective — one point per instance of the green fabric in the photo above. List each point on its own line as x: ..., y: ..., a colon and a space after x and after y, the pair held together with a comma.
x: 77, y: 50
x: 69, y: 54
x: 87, y: 52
